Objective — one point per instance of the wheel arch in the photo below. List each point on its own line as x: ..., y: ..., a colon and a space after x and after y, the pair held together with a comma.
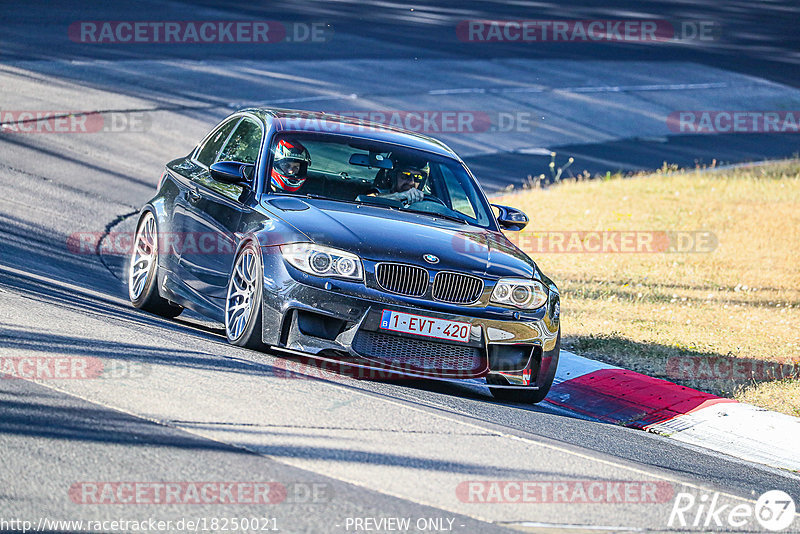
x: 159, y: 213
x: 243, y: 242
x: 251, y: 337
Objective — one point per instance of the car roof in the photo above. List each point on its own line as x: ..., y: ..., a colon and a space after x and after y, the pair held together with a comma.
x: 320, y: 122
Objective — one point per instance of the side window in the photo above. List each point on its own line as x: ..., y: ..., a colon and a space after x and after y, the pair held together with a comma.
x: 244, y: 144
x: 208, y: 153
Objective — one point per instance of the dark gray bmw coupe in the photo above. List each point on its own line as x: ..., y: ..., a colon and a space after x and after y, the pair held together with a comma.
x: 349, y: 241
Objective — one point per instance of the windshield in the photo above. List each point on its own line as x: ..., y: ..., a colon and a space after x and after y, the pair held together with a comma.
x: 350, y: 169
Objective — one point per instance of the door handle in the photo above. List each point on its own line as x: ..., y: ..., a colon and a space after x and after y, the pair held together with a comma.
x: 193, y: 195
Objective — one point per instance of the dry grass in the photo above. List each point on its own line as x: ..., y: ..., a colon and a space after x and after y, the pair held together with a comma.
x: 644, y: 311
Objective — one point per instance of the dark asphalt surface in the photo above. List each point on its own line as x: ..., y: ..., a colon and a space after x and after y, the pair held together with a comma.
x: 753, y: 39
x: 207, y: 411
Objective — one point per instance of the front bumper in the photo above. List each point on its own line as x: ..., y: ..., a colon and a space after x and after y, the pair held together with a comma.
x: 339, y: 318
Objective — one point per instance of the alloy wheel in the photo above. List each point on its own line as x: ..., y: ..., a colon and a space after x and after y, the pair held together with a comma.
x: 241, y: 294
x: 145, y: 254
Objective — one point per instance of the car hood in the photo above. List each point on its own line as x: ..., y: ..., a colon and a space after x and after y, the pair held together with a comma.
x: 382, y: 234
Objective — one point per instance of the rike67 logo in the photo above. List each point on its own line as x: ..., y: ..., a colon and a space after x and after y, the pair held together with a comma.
x: 774, y: 511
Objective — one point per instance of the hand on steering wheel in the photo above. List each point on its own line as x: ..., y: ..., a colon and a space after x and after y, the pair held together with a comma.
x: 410, y: 196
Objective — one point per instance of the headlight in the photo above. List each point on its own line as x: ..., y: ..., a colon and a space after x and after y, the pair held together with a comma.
x: 520, y: 293
x: 323, y: 261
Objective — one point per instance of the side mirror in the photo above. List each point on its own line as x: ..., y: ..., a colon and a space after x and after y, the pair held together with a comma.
x: 232, y: 172
x: 511, y: 218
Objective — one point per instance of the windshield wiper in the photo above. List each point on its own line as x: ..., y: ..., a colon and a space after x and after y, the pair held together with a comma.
x: 380, y: 202
x: 441, y: 215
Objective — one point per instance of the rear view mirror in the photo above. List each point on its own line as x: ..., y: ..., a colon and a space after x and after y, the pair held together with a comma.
x: 510, y: 218
x: 371, y: 160
x: 232, y: 172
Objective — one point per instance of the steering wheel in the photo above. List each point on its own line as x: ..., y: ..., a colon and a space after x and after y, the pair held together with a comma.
x: 379, y: 201
x: 433, y: 198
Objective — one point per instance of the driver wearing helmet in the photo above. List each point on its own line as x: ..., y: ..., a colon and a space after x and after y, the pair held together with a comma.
x: 289, y: 166
x: 405, y: 181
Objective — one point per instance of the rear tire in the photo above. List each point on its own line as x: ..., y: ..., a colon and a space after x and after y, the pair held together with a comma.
x: 243, y: 302
x: 531, y: 396
x: 143, y: 271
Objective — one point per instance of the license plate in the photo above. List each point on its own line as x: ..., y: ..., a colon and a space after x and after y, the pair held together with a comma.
x: 425, y: 326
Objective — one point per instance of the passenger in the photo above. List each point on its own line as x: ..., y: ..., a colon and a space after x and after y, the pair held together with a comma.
x: 289, y: 166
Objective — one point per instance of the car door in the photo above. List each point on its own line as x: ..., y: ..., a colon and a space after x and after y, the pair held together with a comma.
x: 185, y: 175
x: 213, y: 214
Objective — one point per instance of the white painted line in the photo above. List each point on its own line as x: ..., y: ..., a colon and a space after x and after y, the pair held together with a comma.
x: 584, y: 89
x: 524, y: 90
x: 568, y: 526
x: 456, y: 91
x: 652, y: 87
x: 318, y: 98
x: 535, y: 151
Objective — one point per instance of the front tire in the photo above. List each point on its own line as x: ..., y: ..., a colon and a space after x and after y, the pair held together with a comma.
x: 143, y: 271
x: 243, y: 302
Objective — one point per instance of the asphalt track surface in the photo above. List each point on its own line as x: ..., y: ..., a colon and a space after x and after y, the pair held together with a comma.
x: 192, y: 408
